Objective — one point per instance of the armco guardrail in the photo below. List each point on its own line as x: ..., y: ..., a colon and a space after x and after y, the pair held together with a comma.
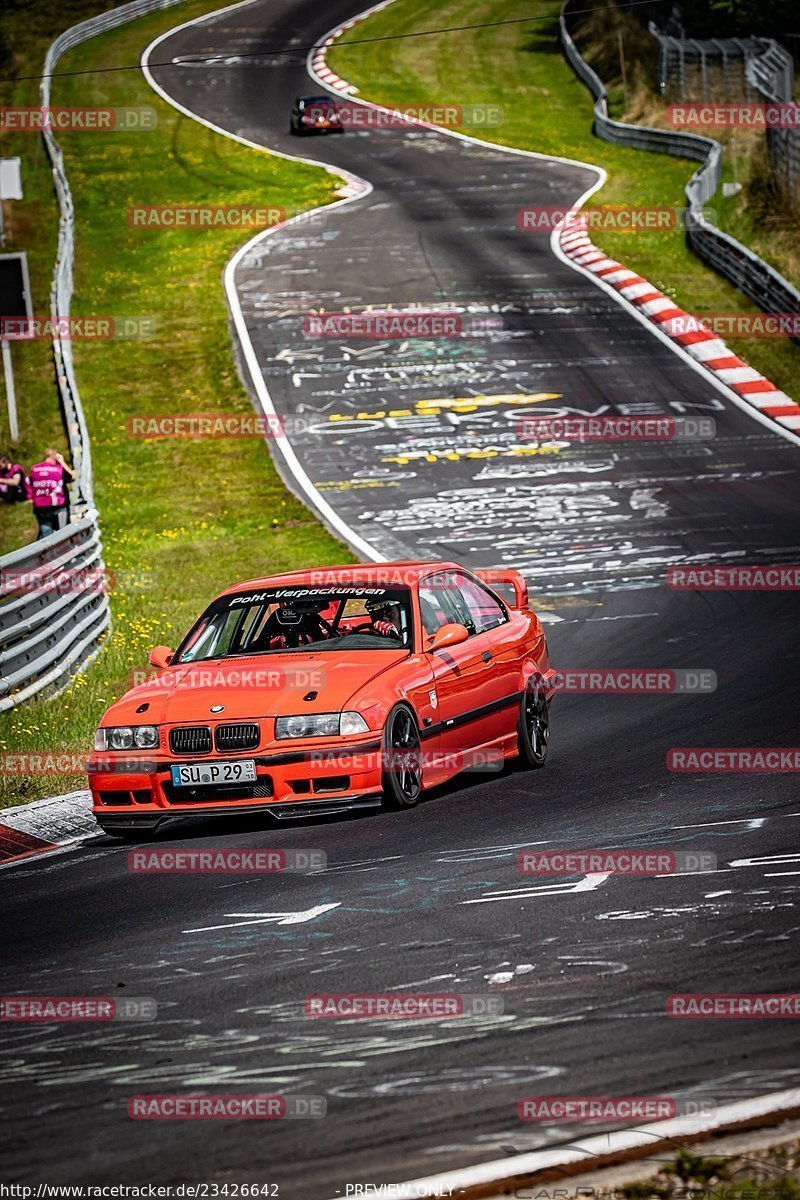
x: 61, y: 290
x: 53, y: 610
x: 48, y: 632
x: 745, y: 270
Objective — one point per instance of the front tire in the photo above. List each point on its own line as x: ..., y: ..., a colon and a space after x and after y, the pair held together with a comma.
x: 402, y: 759
x: 533, y: 727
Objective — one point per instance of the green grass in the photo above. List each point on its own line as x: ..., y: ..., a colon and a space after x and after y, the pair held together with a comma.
x: 181, y: 518
x: 768, y: 1173
x: 547, y: 109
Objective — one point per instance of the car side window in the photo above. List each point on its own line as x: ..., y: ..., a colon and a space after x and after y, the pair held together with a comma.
x: 434, y: 609
x: 485, y: 610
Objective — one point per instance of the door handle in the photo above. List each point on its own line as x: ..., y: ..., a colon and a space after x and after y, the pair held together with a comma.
x: 486, y: 656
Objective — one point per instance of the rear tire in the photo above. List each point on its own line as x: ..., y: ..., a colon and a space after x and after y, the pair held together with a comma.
x: 533, y: 727
x: 402, y: 759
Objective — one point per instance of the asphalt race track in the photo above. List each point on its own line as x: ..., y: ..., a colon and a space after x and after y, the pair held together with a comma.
x: 432, y: 900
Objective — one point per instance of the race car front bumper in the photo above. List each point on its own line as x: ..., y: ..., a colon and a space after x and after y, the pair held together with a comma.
x: 137, y: 792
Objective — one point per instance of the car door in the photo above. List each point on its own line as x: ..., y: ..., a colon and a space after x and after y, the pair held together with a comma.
x: 464, y: 675
x: 491, y: 618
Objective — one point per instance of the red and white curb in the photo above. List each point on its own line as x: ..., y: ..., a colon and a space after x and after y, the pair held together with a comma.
x: 45, y: 825
x: 605, y: 1149
x: 708, y: 353
x: 704, y: 347
x: 318, y: 54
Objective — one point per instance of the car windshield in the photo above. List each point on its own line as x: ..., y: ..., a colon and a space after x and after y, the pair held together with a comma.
x: 277, y: 620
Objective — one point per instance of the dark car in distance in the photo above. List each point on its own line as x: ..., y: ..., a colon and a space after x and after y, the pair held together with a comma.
x: 315, y: 114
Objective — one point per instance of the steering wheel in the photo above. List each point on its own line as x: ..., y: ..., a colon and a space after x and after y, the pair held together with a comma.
x: 368, y: 627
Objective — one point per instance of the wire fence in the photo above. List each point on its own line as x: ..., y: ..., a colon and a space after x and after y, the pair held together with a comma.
x: 756, y: 70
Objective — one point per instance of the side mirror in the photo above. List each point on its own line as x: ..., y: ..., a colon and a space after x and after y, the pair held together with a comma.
x: 160, y: 657
x: 448, y: 635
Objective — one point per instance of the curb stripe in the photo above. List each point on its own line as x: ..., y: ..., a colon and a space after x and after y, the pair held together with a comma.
x: 705, y: 347
x: 16, y: 844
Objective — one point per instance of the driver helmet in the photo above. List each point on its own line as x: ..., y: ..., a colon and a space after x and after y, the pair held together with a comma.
x: 382, y: 609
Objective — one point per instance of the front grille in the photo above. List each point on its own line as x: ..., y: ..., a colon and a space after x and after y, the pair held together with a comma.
x: 243, y: 791
x: 193, y: 739
x: 236, y: 737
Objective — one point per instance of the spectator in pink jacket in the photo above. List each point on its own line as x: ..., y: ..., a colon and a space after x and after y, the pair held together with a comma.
x: 13, y: 481
x: 47, y: 488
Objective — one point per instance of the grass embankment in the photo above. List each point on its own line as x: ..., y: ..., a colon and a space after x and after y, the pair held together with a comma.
x: 548, y: 109
x: 768, y: 1173
x: 181, y: 518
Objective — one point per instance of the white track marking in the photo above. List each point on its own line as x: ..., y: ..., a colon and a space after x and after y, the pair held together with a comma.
x: 275, y: 918
x: 753, y: 822
x: 589, y: 883
x: 767, y: 860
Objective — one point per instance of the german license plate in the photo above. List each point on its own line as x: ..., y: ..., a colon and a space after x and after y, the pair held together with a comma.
x: 209, y: 773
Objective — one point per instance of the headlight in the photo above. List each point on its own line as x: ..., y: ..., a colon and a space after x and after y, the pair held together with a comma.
x: 320, y: 725
x: 145, y: 737
x: 352, y: 722
x: 127, y: 737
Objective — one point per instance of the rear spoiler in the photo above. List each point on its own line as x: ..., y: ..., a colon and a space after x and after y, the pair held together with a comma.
x: 509, y: 585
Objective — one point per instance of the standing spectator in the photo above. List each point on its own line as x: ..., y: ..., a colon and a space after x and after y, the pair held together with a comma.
x: 13, y: 481
x: 48, y: 491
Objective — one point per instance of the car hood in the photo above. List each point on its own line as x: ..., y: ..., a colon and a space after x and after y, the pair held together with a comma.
x: 262, y: 686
